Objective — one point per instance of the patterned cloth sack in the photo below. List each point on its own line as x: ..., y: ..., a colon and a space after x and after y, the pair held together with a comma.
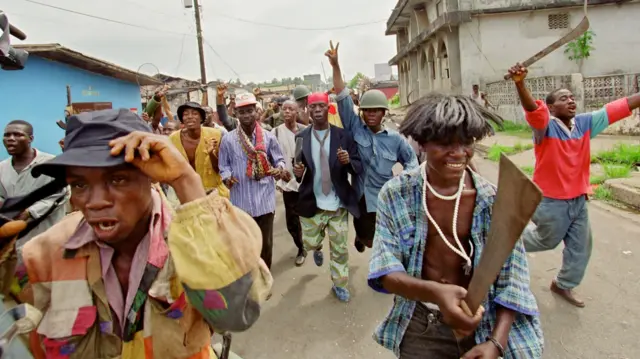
x: 226, y: 265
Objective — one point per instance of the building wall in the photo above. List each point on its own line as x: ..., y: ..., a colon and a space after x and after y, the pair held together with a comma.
x: 38, y: 95
x: 505, y: 39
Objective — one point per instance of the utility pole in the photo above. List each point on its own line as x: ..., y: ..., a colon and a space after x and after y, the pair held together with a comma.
x: 203, y: 70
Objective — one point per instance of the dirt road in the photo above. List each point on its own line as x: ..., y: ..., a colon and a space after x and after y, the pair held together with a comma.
x: 303, y: 320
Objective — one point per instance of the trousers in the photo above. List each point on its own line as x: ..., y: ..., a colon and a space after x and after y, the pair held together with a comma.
x: 428, y: 337
x: 265, y: 222
x: 291, y: 217
x: 335, y: 225
x: 563, y: 221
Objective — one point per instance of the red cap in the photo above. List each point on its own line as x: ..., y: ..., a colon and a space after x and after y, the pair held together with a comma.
x: 318, y: 97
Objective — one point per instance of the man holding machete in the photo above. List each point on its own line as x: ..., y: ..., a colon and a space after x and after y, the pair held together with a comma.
x: 433, y: 223
x: 563, y: 156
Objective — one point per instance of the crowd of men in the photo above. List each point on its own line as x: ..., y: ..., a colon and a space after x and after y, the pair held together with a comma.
x: 170, y: 235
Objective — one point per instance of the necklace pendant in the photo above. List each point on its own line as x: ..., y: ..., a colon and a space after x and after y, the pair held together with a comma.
x: 467, y: 269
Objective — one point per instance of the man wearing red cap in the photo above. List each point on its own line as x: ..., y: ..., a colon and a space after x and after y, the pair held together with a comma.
x: 250, y: 160
x: 326, y: 197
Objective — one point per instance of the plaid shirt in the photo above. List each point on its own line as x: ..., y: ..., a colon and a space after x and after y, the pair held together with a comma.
x: 399, y: 246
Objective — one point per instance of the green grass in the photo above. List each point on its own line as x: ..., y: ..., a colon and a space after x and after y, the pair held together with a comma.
x: 597, y: 179
x: 603, y: 193
x: 511, y: 128
x: 623, y: 154
x: 494, y: 151
x: 616, y: 171
x: 527, y: 169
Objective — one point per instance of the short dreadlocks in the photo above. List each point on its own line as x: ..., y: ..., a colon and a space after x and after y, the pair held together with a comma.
x: 438, y: 117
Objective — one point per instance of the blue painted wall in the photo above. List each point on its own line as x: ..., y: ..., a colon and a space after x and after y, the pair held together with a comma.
x: 38, y: 94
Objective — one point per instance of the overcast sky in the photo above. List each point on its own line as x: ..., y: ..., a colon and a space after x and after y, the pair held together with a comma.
x: 255, y: 52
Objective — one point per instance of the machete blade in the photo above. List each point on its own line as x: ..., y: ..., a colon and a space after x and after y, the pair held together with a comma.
x: 582, y: 27
x: 516, y: 201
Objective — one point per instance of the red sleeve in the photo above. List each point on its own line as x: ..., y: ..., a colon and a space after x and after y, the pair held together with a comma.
x: 538, y: 119
x: 618, y: 110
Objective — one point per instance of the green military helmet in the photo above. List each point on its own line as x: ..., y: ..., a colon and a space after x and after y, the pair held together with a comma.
x: 301, y: 92
x: 374, y: 99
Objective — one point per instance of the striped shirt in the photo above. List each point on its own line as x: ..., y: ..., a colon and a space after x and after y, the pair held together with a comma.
x: 563, y: 156
x: 399, y: 246
x: 257, y: 198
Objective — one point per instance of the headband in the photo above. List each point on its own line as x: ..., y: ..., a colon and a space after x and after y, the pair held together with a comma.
x: 318, y: 97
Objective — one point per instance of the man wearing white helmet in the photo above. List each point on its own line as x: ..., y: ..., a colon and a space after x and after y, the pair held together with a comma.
x: 379, y: 148
x: 250, y: 161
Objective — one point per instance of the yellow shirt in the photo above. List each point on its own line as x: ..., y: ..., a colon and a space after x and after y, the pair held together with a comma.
x: 210, y: 179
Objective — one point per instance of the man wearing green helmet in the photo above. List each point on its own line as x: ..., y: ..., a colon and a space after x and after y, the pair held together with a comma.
x: 379, y: 148
x: 300, y: 94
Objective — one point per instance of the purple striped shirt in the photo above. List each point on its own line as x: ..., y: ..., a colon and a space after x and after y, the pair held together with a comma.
x: 257, y: 198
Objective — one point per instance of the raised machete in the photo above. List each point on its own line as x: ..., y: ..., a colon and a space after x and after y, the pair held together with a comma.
x: 514, y: 206
x: 582, y: 27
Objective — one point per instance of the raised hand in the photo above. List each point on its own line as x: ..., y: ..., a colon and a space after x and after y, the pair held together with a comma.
x: 518, y: 72
x: 332, y: 54
x: 221, y: 90
x: 154, y: 155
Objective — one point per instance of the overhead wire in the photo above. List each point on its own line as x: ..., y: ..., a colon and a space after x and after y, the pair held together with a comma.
x: 220, y: 57
x: 285, y: 27
x: 107, y: 19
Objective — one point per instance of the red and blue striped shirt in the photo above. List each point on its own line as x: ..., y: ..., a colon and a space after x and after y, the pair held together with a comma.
x: 563, y: 156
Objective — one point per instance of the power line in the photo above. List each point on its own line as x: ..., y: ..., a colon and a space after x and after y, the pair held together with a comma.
x: 342, y: 27
x: 181, y: 52
x: 220, y: 57
x: 107, y: 19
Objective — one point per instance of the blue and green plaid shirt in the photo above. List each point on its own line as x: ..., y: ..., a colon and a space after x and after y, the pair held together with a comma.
x: 399, y: 246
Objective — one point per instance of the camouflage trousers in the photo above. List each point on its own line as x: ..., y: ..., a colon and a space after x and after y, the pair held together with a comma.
x: 333, y: 224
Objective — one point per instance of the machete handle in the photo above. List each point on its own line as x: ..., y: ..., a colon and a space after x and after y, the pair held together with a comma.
x: 507, y: 76
x: 467, y: 311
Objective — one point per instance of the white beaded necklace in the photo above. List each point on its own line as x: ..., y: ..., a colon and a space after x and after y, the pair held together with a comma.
x: 456, y: 196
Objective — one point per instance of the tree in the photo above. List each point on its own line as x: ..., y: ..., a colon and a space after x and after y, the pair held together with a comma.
x: 356, y: 80
x: 238, y: 82
x: 580, y: 49
x: 297, y: 81
x: 274, y: 81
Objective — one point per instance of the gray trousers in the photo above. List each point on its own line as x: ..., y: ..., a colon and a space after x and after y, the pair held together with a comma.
x: 563, y: 221
x: 428, y: 337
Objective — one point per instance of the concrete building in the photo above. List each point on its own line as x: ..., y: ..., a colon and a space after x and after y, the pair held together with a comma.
x: 449, y: 45
x: 38, y: 94
x: 315, y: 82
x: 382, y: 72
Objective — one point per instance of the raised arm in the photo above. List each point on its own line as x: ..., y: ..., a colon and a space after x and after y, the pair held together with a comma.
x: 227, y: 122
x: 350, y: 120
x: 536, y: 112
x: 612, y: 113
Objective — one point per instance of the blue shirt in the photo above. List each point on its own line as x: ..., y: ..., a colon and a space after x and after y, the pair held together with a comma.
x: 257, y: 198
x: 379, y: 152
x: 399, y: 246
x: 329, y: 202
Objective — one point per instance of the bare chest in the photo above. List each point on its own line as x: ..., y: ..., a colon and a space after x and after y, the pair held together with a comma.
x: 441, y: 262
x: 190, y: 146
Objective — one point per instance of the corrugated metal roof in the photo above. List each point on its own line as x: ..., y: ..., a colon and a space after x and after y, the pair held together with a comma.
x: 59, y: 53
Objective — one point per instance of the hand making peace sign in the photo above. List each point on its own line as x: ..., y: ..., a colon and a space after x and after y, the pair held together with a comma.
x: 332, y: 54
